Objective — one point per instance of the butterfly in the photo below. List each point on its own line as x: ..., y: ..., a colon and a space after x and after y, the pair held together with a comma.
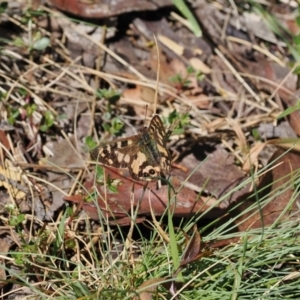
x: 145, y: 155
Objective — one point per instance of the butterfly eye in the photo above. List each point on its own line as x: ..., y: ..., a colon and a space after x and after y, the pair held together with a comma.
x: 152, y: 172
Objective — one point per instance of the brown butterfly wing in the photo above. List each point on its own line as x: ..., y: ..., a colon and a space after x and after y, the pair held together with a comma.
x: 117, y: 153
x: 145, y: 155
x: 157, y: 130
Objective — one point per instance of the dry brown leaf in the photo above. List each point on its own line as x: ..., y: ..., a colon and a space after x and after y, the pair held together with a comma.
x: 168, y: 68
x: 117, y: 206
x: 252, y: 158
x: 275, y: 179
x: 148, y: 288
x: 199, y: 65
x: 4, y: 247
x: 192, y: 250
x: 217, y: 174
x: 64, y: 155
x: 102, y: 9
x: 12, y: 178
x: 239, y: 133
x: 175, y: 47
x: 4, y: 140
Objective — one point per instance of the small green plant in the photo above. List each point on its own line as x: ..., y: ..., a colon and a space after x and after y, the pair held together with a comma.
x: 114, y: 126
x: 256, y: 135
x: 13, y: 114
x: 47, y: 121
x: 22, y: 255
x: 99, y: 173
x: 111, y: 183
x: 90, y: 143
x: 112, y: 96
x: 199, y: 75
x: 179, y: 81
x: 30, y: 16
x: 15, y: 218
x: 109, y: 94
x: 30, y: 108
x: 180, y: 121
x: 185, y: 82
x: 38, y: 42
x: 26, y: 113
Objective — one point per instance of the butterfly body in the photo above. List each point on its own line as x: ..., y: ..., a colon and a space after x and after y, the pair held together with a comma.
x: 145, y: 154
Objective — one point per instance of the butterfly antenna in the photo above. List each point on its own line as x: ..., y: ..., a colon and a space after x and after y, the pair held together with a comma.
x: 157, y: 75
x: 146, y: 113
